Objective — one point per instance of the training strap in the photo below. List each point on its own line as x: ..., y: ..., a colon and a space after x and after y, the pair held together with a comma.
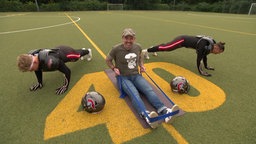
x: 119, y: 81
x: 160, y: 89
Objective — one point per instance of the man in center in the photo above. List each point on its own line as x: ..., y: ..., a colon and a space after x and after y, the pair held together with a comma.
x: 127, y: 59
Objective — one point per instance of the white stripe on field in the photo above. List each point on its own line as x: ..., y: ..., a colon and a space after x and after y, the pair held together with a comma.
x: 32, y: 29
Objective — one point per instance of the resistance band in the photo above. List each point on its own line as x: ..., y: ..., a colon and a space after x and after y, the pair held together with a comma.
x: 119, y: 78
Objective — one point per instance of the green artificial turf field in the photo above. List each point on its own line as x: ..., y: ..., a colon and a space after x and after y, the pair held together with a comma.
x: 219, y: 109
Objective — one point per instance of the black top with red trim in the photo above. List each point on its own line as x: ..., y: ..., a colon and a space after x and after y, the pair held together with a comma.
x: 50, y: 60
x: 202, y: 44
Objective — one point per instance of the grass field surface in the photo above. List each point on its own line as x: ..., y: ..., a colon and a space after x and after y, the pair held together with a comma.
x: 219, y: 109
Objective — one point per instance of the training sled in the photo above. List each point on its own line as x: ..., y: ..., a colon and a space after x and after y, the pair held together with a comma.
x: 160, y: 94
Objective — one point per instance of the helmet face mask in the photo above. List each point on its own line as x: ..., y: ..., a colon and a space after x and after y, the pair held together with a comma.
x: 180, y: 85
x: 93, y: 102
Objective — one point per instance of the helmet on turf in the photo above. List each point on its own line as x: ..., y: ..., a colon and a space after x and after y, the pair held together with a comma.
x: 93, y: 102
x: 180, y: 85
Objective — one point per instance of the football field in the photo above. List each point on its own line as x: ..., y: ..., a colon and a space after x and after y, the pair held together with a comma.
x: 218, y: 109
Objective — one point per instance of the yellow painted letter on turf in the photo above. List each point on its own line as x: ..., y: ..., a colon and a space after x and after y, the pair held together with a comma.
x: 116, y: 115
x: 66, y: 118
x: 211, y: 96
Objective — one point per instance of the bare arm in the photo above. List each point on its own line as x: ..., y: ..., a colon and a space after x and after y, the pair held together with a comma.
x: 141, y: 63
x: 109, y: 62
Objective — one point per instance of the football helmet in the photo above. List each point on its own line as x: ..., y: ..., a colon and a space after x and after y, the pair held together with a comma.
x: 180, y: 85
x: 93, y: 102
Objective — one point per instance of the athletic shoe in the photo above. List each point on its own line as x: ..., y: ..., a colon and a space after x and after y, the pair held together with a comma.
x: 152, y: 115
x: 89, y: 55
x: 145, y: 53
x: 82, y: 58
x: 170, y: 119
x: 154, y: 54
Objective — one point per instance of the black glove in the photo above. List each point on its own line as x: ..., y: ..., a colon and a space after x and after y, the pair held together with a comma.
x: 61, y: 90
x: 36, y: 86
x: 200, y: 69
x: 205, y: 73
x: 209, y: 68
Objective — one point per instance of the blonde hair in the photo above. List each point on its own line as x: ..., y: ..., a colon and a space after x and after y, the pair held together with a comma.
x: 24, y: 62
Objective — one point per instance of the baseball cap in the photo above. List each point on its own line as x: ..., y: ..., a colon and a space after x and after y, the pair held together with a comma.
x: 128, y: 32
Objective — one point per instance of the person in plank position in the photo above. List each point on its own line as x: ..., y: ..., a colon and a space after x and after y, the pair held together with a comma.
x: 203, y: 45
x: 45, y: 60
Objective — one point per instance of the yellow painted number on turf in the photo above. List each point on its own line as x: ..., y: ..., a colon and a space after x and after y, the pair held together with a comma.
x: 211, y: 96
x: 118, y: 118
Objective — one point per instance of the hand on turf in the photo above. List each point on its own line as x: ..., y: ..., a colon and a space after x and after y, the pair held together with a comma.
x: 61, y: 90
x: 205, y: 73
x: 36, y: 86
x: 209, y: 68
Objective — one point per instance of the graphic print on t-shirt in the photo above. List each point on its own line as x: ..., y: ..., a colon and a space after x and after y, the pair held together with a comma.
x: 131, y: 60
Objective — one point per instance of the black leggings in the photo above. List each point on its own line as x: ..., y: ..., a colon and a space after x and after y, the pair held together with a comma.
x: 68, y: 54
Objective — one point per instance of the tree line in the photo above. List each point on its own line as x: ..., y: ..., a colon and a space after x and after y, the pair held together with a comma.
x: 219, y: 6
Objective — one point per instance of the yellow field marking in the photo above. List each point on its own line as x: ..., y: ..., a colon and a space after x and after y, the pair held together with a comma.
x: 211, y: 96
x: 117, y: 116
x: 87, y: 37
x: 176, y: 135
x: 39, y: 28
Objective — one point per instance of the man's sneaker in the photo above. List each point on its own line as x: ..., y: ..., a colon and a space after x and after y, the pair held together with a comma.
x: 154, y: 54
x: 170, y: 119
x: 145, y: 53
x: 89, y: 55
x: 152, y: 115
